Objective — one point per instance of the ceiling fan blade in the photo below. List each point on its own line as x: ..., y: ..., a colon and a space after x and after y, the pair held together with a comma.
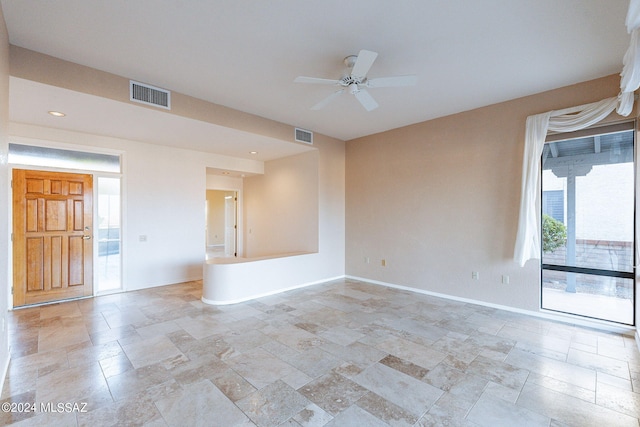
x: 392, y: 81
x: 363, y: 63
x: 327, y: 100
x: 366, y: 100
x: 315, y: 80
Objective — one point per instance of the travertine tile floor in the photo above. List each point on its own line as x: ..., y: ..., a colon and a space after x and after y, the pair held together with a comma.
x: 339, y: 354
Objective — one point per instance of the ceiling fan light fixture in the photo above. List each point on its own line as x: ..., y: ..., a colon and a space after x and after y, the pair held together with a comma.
x: 353, y: 88
x: 350, y: 61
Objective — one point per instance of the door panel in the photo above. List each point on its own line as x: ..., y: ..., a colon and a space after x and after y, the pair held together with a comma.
x: 52, y: 228
x: 56, y: 262
x: 56, y: 215
x: 35, y: 258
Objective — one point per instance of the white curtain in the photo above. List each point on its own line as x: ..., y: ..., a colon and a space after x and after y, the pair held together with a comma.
x: 630, y: 76
x: 569, y: 120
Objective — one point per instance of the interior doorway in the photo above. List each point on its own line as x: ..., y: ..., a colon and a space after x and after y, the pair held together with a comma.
x: 222, y: 223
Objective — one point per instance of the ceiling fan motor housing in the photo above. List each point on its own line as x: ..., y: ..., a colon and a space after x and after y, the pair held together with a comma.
x: 347, y: 81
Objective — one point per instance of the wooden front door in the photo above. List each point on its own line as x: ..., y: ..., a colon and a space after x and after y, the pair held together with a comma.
x: 52, y: 230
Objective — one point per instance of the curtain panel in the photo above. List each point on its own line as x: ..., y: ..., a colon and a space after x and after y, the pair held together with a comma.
x: 630, y: 76
x: 568, y: 120
x: 528, y: 236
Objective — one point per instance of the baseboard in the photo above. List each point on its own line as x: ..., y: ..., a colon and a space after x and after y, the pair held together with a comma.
x: 604, y: 326
x: 126, y: 288
x: 5, y: 370
x: 266, y: 294
x: 638, y: 339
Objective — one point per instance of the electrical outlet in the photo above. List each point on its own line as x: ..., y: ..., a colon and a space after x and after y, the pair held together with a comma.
x: 367, y: 260
x: 505, y: 279
x: 383, y: 262
x: 475, y: 275
x: 142, y: 238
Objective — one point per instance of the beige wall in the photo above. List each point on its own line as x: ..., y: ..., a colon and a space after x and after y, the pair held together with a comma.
x: 439, y: 199
x: 215, y: 217
x: 281, y: 207
x: 4, y: 195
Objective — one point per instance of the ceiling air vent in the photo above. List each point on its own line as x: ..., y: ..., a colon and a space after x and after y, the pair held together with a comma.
x: 150, y: 95
x: 304, y: 136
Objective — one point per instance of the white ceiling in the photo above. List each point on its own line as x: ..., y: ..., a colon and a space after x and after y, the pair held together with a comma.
x: 244, y: 54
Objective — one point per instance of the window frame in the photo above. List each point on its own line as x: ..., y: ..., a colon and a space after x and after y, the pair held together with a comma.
x: 594, y: 131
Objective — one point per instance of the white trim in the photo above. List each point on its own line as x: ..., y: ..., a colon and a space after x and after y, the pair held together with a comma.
x: 5, y: 369
x: 9, y: 254
x: 606, y: 326
x: 110, y: 292
x: 637, y: 337
x: 146, y: 285
x: 266, y: 294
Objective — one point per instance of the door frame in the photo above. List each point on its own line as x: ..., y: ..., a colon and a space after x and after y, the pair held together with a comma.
x: 239, y: 215
x: 95, y: 175
x: 77, y: 226
x: 227, y: 218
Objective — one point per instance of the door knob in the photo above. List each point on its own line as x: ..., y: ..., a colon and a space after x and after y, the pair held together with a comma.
x: 86, y: 237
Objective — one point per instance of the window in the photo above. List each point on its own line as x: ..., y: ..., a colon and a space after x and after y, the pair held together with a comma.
x: 588, y: 253
x: 108, y: 226
x: 553, y: 204
x: 65, y: 159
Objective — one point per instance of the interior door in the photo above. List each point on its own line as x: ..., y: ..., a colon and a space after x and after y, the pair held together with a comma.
x: 52, y: 230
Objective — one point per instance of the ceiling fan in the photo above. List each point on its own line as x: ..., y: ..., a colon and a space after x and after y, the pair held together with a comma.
x: 356, y: 81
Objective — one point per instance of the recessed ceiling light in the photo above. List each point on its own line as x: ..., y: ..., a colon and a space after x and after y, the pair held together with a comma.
x: 57, y: 113
x: 253, y: 152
